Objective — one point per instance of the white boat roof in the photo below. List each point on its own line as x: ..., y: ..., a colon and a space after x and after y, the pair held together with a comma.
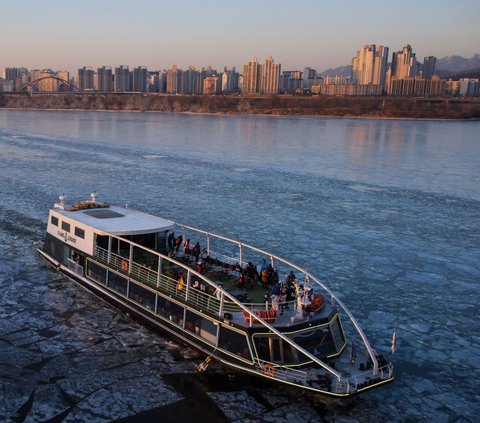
x: 117, y: 220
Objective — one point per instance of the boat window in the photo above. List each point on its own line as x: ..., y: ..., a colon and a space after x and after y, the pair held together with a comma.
x: 338, y: 335
x: 142, y: 296
x: 201, y: 326
x: 262, y: 347
x: 54, y: 220
x: 53, y: 246
x: 96, y: 272
x: 102, y: 241
x: 79, y: 232
x: 117, y: 283
x: 234, y: 342
x: 66, y: 226
x: 317, y: 341
x: 269, y: 348
x: 170, y: 310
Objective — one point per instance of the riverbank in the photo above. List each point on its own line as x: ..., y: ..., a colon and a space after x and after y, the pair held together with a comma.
x: 373, y: 107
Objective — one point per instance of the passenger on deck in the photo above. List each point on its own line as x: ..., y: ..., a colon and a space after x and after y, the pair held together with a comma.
x: 180, y: 282
x: 251, y: 275
x: 263, y: 266
x: 200, y: 267
x: 290, y: 279
x: 276, y: 296
x: 186, y: 247
x: 178, y: 243
x: 241, y: 281
x: 171, y: 241
x: 218, y: 292
x: 283, y: 298
x: 264, y: 278
x: 196, y: 251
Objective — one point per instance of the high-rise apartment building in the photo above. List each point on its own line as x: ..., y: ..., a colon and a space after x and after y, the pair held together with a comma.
x: 369, y: 66
x: 190, y: 82
x: 263, y: 79
x: 229, y: 81
x: 270, y: 73
x: 85, y: 79
x: 251, y: 77
x: 105, y: 79
x: 428, y: 67
x: 404, y: 63
x: 140, y: 79
x: 174, y: 80
x: 122, y: 79
x: 309, y: 78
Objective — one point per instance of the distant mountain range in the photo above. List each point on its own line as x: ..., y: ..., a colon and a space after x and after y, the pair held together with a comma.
x: 445, y: 66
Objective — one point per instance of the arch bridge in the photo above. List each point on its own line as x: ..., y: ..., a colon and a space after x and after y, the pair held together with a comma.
x: 71, y: 87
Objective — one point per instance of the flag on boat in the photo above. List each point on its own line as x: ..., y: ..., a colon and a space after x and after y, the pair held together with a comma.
x: 353, y: 354
x: 394, y: 342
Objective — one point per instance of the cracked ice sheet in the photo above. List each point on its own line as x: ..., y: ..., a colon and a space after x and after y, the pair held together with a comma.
x: 237, y: 405
x: 117, y: 400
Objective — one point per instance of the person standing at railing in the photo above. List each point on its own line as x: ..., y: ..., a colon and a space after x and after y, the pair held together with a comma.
x: 178, y: 243
x: 186, y: 247
x: 196, y: 251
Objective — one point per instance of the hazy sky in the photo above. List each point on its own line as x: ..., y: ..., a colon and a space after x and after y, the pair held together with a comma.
x: 297, y: 33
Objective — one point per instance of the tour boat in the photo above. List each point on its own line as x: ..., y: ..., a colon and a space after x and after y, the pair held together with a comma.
x: 238, y: 304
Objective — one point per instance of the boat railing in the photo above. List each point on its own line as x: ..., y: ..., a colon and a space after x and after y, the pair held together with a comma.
x: 165, y: 284
x: 75, y: 267
x: 217, y: 303
x: 277, y: 371
x: 169, y: 286
x: 369, y: 377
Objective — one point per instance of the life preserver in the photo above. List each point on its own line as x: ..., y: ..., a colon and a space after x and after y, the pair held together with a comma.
x: 268, y: 370
x: 124, y: 265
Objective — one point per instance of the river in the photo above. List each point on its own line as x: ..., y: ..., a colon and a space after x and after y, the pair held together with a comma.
x: 386, y: 212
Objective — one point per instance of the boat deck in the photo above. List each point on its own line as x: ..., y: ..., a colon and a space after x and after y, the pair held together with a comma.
x: 254, y: 294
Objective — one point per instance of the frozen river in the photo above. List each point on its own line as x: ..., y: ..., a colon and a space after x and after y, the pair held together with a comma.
x: 385, y: 212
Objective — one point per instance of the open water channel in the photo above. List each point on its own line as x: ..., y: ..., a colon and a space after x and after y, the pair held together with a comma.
x: 385, y: 212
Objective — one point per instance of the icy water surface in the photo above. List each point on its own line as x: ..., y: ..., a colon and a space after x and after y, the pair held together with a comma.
x: 386, y: 212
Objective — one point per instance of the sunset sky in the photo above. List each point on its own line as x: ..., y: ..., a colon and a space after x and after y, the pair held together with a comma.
x: 316, y: 33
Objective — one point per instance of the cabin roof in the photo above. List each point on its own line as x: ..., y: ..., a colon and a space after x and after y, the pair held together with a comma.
x: 117, y: 220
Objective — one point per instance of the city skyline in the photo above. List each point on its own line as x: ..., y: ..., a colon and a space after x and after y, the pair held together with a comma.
x: 157, y: 34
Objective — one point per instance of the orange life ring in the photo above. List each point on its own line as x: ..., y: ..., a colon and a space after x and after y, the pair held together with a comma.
x: 124, y: 265
x: 269, y: 370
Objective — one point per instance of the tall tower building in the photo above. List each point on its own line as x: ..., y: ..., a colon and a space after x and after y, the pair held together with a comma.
x: 105, y: 79
x: 270, y: 73
x: 429, y: 67
x: 404, y: 63
x: 122, y: 79
x: 174, y: 80
x: 140, y: 79
x: 190, y: 81
x: 85, y: 79
x: 229, y: 81
x: 369, y: 66
x: 251, y: 77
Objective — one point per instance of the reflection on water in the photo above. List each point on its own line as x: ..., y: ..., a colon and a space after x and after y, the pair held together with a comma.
x: 425, y: 155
